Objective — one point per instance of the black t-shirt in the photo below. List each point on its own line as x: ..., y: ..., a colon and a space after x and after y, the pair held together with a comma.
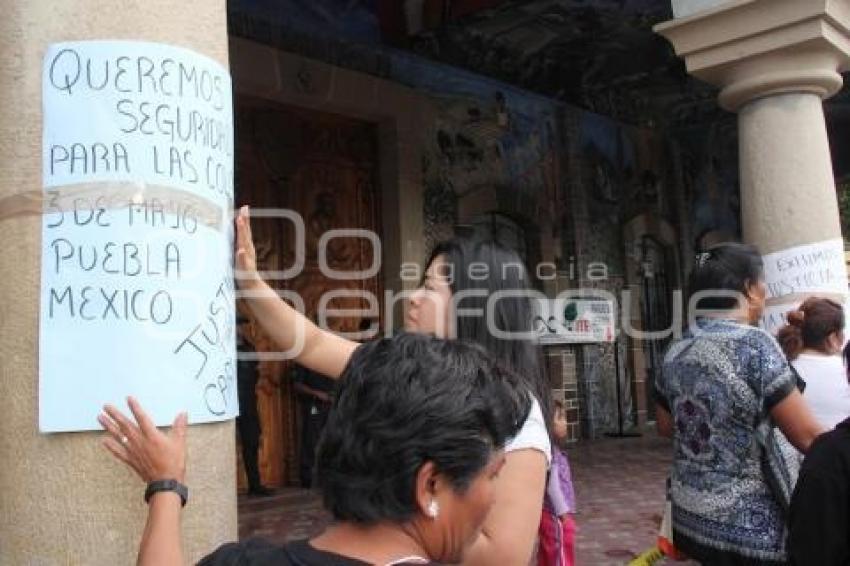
x: 256, y: 552
x: 819, y: 523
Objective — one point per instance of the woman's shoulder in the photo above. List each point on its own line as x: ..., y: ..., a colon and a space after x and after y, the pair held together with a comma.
x: 806, y: 359
x: 822, y: 372
x: 754, y: 341
x: 251, y: 552
x: 720, y: 328
x: 257, y: 552
x: 760, y: 338
x: 709, y: 333
x: 534, y: 434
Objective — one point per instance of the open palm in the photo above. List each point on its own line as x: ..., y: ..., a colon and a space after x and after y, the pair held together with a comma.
x: 246, y: 254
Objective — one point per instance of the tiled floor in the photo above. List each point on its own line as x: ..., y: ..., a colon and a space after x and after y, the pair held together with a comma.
x: 619, y: 486
x: 620, y: 490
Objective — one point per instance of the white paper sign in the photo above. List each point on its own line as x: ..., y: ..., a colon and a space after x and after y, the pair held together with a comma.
x: 811, y: 269
x: 575, y: 321
x: 144, y: 112
x: 136, y: 282
x: 775, y: 316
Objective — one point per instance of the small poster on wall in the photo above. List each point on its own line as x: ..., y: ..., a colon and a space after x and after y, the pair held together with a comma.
x: 136, y: 277
x: 575, y: 321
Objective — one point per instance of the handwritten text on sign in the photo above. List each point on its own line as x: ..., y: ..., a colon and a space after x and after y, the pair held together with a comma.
x: 811, y: 268
x: 121, y: 110
x: 136, y: 289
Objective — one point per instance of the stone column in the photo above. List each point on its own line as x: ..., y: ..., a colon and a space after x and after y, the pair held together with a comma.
x: 775, y: 61
x: 63, y: 499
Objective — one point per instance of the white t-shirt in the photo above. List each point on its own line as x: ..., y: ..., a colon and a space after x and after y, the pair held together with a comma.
x: 827, y: 390
x: 533, y: 434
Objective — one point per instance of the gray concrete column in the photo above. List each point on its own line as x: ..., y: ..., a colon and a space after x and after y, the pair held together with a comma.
x: 63, y: 499
x: 775, y: 61
x: 787, y: 187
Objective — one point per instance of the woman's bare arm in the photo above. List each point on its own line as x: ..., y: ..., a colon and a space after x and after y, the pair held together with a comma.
x: 161, y: 543
x: 154, y: 455
x: 292, y: 332
x: 510, y: 529
x: 796, y: 421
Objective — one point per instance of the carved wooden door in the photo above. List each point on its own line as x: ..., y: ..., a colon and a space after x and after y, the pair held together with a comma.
x: 324, y: 167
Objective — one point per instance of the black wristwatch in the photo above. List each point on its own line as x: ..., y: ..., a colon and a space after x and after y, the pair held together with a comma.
x: 167, y: 485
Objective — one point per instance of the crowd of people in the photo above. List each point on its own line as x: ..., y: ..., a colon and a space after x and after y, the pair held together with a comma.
x: 440, y: 444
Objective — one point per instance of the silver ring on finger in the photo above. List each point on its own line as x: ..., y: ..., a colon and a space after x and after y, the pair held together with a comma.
x: 124, y: 440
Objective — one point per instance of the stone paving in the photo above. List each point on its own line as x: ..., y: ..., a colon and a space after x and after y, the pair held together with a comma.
x: 619, y: 486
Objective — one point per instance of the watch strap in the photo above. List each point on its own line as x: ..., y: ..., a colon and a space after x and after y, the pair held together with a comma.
x: 167, y: 485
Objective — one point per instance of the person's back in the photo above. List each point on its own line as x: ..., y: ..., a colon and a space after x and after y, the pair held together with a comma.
x: 819, y: 523
x: 719, y: 384
x: 725, y: 393
x: 827, y: 391
x: 257, y: 552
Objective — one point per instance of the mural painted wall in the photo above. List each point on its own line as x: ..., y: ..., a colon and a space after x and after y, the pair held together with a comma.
x: 487, y: 156
x: 710, y: 179
x: 624, y: 172
x: 351, y: 20
x: 556, y: 182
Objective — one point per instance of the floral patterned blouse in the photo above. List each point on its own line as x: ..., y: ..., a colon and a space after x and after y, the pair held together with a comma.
x: 730, y: 486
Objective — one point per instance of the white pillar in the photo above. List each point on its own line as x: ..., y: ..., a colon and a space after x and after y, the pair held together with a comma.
x: 787, y: 187
x: 63, y: 499
x: 775, y: 61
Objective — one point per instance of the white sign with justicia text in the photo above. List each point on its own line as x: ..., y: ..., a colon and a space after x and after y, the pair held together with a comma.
x: 811, y: 268
x: 807, y: 270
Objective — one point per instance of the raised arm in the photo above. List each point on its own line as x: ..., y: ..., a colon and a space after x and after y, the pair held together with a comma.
x: 312, y: 347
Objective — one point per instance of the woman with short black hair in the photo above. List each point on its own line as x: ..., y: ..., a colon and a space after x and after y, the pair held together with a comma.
x: 724, y: 387
x: 407, y: 464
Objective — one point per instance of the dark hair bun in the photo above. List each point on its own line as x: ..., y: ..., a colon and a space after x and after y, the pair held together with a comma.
x: 810, y: 326
x: 797, y: 318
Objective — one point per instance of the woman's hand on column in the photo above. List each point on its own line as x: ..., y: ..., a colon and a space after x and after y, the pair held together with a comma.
x: 150, y: 452
x: 154, y: 455
x: 246, y: 254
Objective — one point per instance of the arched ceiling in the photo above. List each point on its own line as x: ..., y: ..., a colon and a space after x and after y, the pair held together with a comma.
x: 601, y: 55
